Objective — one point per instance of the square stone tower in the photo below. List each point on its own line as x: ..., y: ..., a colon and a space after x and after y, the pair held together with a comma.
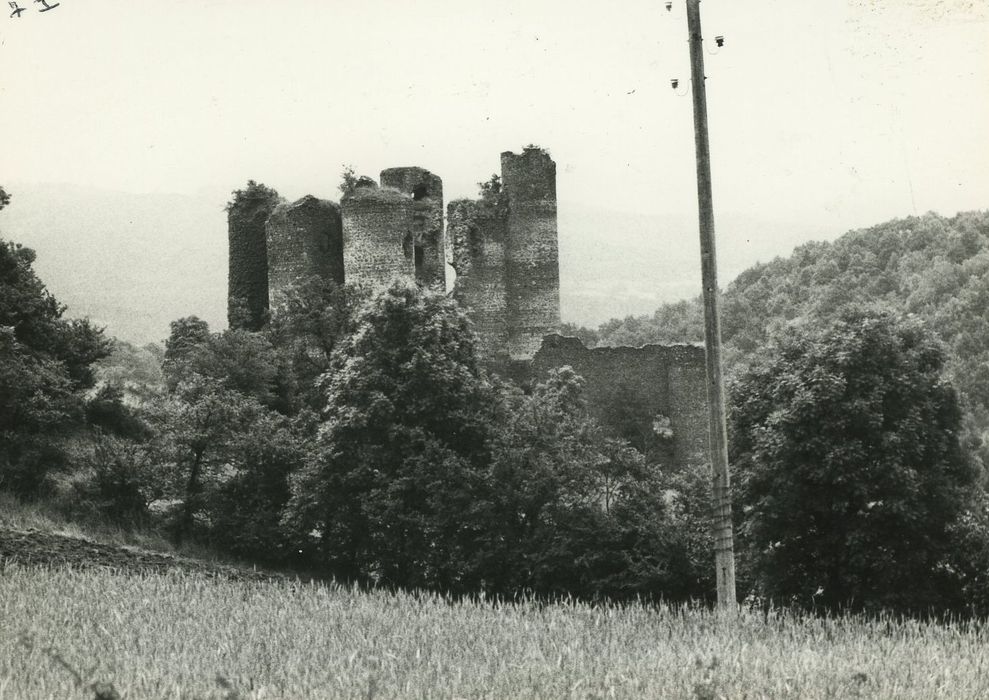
x: 304, y: 239
x: 532, y: 259
x: 378, y: 236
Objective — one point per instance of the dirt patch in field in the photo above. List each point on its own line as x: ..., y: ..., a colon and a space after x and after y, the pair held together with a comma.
x: 33, y: 547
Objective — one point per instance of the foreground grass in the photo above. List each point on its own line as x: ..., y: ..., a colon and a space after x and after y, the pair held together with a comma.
x: 185, y: 636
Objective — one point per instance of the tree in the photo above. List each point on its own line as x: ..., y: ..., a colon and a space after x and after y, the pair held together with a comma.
x: 195, y: 426
x: 571, y: 511
x: 428, y: 473
x: 588, y: 336
x: 308, y: 320
x: 850, y: 468
x: 136, y: 371
x: 404, y: 437
x: 188, y: 336
x: 240, y: 360
x: 45, y: 368
x: 244, y: 504
x: 224, y: 437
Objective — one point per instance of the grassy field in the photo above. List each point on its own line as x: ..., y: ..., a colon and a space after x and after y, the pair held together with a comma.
x: 182, y: 635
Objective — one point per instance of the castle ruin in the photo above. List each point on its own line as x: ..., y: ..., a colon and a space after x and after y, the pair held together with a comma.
x: 503, y: 250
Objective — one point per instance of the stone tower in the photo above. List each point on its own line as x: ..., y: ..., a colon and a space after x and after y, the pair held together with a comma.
x: 477, y: 231
x: 426, y: 190
x: 378, y: 236
x: 506, y: 257
x: 532, y: 261
x: 503, y: 246
x: 247, y: 282
x: 304, y: 239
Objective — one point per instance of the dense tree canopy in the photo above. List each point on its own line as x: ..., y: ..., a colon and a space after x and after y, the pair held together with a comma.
x: 45, y: 366
x: 406, y: 422
x: 849, y: 465
x: 429, y: 473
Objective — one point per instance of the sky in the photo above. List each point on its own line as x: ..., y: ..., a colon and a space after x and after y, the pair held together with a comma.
x: 843, y: 113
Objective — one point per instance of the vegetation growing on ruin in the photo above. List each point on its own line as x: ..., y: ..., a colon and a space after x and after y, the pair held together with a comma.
x: 254, y: 194
x: 351, y: 183
x: 491, y: 196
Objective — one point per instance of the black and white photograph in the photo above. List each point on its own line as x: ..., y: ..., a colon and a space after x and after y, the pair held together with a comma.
x: 494, y: 349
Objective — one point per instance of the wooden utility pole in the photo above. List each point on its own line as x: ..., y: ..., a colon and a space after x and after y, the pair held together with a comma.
x: 724, y: 551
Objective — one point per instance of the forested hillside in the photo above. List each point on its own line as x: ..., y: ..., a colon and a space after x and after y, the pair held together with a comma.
x: 933, y: 267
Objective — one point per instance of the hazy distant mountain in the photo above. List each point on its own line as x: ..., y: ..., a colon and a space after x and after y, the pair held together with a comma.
x: 131, y: 262
x: 615, y: 264
x: 134, y: 262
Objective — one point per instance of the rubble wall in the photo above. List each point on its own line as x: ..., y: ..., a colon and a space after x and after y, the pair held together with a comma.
x: 634, y: 391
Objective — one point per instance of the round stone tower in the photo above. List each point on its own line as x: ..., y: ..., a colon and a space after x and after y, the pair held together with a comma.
x: 247, y: 281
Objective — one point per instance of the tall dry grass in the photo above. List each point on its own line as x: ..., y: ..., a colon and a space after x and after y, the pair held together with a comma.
x: 186, y: 636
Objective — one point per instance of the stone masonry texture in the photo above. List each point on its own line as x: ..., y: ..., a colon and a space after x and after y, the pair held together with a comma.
x: 248, y: 256
x: 640, y: 385
x: 426, y: 191
x: 305, y: 239
x: 378, y: 244
x: 477, y: 238
x: 532, y: 263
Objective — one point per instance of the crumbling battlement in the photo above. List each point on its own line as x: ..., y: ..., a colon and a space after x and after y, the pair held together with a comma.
x: 655, y: 395
x: 503, y: 247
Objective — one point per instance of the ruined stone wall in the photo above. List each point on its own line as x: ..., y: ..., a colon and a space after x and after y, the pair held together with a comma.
x: 633, y: 390
x: 378, y: 235
x: 247, y: 281
x: 426, y: 190
x: 532, y: 256
x: 477, y: 240
x: 305, y: 239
